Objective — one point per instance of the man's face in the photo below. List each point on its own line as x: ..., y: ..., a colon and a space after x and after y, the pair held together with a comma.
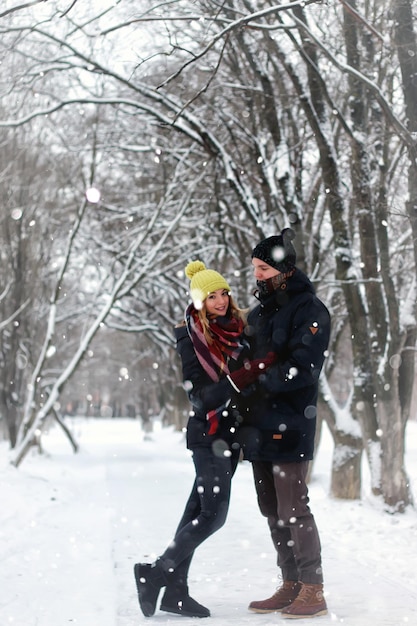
x: 263, y: 271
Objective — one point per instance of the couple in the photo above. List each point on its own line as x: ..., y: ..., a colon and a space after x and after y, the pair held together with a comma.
x: 253, y: 386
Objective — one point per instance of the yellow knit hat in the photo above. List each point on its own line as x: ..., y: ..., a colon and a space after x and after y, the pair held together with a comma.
x: 203, y: 282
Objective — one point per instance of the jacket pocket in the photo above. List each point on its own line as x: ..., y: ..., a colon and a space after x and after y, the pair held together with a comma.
x: 275, y: 442
x: 249, y: 438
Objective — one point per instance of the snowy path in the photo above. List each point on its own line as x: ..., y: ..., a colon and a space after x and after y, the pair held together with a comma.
x: 75, y: 525
x: 237, y: 564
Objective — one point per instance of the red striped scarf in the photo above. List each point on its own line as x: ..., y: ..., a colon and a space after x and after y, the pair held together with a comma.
x: 214, y: 357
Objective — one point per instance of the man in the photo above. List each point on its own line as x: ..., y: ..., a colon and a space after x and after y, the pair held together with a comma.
x: 280, y: 421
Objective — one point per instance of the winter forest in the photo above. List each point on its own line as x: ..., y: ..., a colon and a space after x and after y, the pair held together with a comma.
x: 137, y: 135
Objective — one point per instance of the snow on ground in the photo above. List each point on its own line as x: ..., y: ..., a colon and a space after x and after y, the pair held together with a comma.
x: 72, y: 527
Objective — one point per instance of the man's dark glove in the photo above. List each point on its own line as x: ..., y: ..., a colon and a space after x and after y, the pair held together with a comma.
x: 250, y: 372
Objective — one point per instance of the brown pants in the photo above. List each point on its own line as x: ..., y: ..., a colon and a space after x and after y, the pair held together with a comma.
x: 283, y: 499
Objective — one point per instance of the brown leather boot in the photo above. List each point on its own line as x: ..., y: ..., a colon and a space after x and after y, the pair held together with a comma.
x: 283, y: 597
x: 310, y: 602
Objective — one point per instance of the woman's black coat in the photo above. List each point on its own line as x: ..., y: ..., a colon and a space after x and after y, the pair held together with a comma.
x: 206, y: 395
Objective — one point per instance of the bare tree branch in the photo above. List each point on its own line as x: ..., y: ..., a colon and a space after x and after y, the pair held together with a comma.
x: 21, y: 6
x: 361, y: 19
x: 12, y: 317
x: 403, y: 132
x: 243, y: 21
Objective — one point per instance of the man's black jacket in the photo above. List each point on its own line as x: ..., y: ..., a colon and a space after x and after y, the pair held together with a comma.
x: 280, y: 415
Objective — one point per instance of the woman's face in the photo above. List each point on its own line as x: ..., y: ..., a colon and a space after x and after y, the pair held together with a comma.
x: 217, y: 303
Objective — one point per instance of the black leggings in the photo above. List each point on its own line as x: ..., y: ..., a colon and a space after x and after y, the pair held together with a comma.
x: 205, y: 511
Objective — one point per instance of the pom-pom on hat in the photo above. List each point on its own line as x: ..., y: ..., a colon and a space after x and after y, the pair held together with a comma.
x: 203, y: 282
x: 277, y: 251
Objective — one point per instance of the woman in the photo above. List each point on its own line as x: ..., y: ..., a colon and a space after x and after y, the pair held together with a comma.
x: 212, y: 348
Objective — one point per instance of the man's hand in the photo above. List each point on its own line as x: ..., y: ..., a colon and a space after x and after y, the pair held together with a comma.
x: 250, y: 372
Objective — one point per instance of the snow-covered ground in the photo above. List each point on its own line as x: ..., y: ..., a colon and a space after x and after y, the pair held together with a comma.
x: 72, y: 526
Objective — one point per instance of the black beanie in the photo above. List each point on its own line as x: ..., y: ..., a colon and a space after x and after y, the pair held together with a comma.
x: 277, y: 251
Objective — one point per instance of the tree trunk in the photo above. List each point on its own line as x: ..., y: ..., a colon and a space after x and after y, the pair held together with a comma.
x: 347, y: 454
x: 9, y: 412
x: 346, y: 467
x: 68, y: 433
x: 396, y: 486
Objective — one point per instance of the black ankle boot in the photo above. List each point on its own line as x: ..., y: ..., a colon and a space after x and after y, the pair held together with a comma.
x: 177, y: 600
x: 149, y: 581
